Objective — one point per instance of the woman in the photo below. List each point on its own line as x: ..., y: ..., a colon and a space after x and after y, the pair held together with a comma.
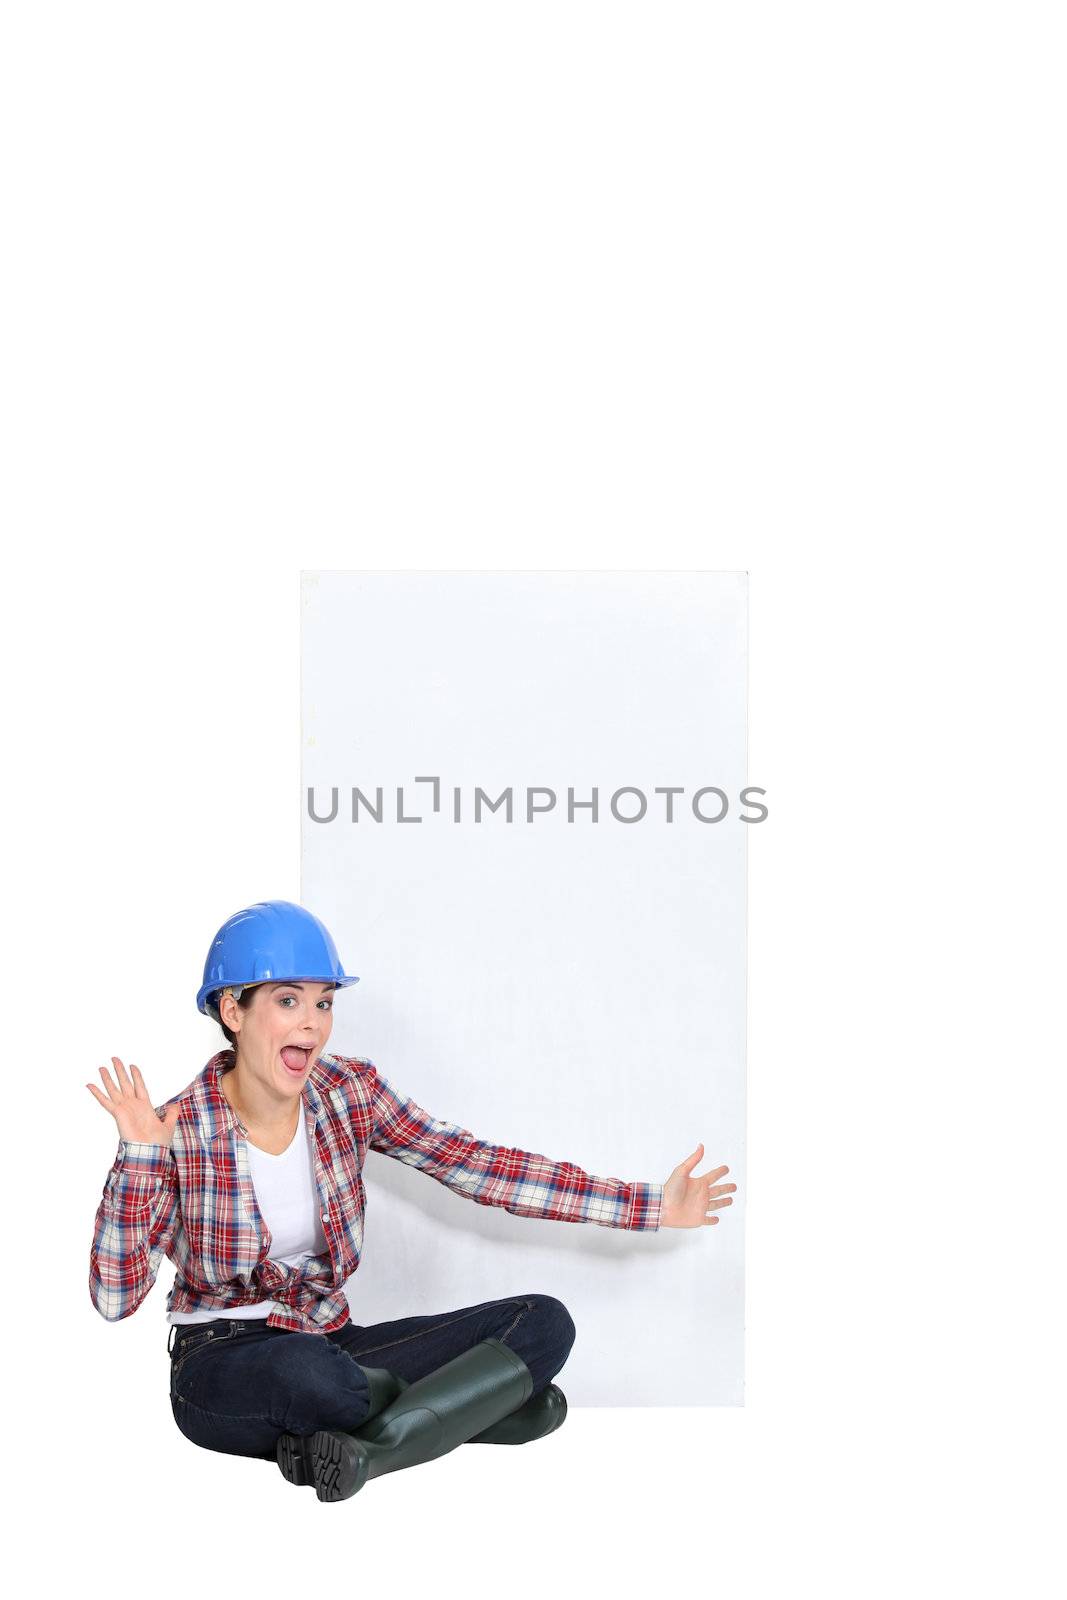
x: 250, y: 1181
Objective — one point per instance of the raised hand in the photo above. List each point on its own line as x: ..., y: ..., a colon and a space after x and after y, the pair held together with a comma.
x: 131, y: 1107
x: 687, y: 1201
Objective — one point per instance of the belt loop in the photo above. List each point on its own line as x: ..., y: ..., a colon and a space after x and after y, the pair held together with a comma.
x: 170, y: 1337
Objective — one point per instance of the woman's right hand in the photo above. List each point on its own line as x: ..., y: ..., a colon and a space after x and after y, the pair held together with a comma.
x: 132, y: 1109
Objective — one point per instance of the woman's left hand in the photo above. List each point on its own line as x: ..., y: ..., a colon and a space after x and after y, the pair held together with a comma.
x: 688, y: 1202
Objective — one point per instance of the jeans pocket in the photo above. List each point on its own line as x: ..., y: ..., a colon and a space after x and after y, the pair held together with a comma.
x: 196, y: 1344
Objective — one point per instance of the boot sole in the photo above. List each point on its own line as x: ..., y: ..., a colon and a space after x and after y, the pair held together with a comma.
x: 331, y: 1463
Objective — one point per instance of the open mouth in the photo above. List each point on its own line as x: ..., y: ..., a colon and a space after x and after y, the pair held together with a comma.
x: 296, y: 1059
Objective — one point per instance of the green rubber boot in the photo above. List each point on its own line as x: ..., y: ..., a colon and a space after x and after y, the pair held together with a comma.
x: 542, y: 1414
x: 428, y: 1419
x: 291, y: 1451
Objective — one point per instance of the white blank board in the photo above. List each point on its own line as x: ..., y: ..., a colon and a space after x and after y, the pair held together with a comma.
x: 567, y: 985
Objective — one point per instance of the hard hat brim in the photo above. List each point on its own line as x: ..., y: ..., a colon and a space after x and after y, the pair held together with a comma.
x: 212, y: 993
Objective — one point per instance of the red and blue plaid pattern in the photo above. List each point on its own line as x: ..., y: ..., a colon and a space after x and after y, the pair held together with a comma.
x: 195, y: 1202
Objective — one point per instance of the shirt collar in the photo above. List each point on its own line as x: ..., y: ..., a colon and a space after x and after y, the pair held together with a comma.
x: 214, y: 1113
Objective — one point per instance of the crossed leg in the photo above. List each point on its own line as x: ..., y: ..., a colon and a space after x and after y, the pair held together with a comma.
x: 240, y: 1395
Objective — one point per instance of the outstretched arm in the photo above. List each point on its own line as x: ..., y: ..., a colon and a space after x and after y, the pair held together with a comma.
x: 519, y: 1181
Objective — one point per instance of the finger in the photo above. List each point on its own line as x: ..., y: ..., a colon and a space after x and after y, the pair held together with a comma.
x: 95, y: 1092
x: 723, y: 1188
x: 713, y: 1205
x: 710, y: 1177
x: 690, y: 1161
x: 709, y: 1222
x: 112, y: 1088
x: 123, y: 1076
x: 138, y: 1083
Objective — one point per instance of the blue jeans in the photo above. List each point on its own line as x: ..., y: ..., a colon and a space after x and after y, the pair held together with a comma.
x: 238, y: 1386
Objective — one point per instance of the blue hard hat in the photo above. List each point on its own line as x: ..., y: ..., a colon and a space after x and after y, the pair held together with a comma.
x: 272, y: 941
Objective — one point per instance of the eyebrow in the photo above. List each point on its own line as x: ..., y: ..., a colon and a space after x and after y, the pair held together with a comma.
x: 327, y: 986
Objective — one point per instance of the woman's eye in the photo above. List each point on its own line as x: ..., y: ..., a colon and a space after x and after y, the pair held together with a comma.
x: 283, y: 998
x: 327, y: 1003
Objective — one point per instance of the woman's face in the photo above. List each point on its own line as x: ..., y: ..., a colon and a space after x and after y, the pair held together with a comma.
x: 283, y: 1032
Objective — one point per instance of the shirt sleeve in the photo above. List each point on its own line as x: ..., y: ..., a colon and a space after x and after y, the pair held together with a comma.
x: 136, y: 1220
x: 519, y: 1181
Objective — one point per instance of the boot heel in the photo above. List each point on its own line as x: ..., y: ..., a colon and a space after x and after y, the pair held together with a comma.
x: 333, y: 1463
x: 290, y: 1456
x: 338, y: 1465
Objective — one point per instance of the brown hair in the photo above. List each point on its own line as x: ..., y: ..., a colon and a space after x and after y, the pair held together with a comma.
x: 244, y: 1000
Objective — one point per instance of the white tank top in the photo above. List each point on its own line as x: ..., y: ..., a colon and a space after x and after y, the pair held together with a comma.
x: 287, y: 1196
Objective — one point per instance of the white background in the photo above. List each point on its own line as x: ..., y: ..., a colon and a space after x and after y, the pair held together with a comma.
x: 774, y: 289
x: 574, y: 988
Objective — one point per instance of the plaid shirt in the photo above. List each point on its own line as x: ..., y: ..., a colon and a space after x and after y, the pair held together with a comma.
x: 195, y: 1203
